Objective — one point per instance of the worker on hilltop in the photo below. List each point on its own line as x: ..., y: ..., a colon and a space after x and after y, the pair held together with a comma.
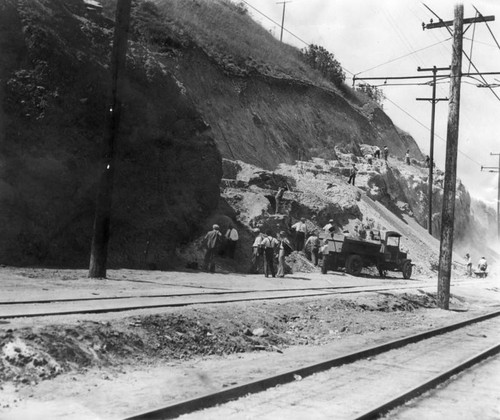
x: 352, y: 174
x: 212, y: 241
x: 300, y: 229
x: 407, y: 157
x: 386, y: 152
x: 279, y: 199
x: 376, y: 153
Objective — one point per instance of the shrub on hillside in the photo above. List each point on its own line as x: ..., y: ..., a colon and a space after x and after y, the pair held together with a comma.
x: 372, y: 92
x: 324, y: 61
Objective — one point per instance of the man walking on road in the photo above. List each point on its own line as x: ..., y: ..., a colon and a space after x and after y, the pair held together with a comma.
x: 270, y: 243
x: 232, y: 240
x: 212, y: 240
x: 300, y: 229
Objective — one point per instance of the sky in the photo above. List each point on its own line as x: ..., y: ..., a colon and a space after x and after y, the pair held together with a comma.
x: 381, y: 38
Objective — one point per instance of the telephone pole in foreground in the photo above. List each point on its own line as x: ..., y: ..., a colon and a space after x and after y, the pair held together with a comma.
x: 450, y: 178
x: 495, y: 169
x: 431, y: 153
x: 100, y: 236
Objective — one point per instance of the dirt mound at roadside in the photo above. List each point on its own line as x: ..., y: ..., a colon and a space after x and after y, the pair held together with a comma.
x: 31, y: 355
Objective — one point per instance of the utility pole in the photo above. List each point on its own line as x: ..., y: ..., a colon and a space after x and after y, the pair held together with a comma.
x: 282, y: 17
x: 494, y: 169
x: 100, y: 238
x: 450, y: 177
x: 431, y: 157
x: 448, y: 211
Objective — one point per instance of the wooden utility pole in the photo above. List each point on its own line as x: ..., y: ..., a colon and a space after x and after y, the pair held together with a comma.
x: 450, y: 178
x: 100, y: 238
x: 495, y: 169
x: 433, y: 100
x: 282, y: 18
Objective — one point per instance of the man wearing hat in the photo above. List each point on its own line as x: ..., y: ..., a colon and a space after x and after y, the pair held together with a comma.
x: 211, y: 240
x: 329, y: 227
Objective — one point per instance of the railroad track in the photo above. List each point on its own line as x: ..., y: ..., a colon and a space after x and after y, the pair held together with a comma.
x: 325, y: 377
x: 89, y: 305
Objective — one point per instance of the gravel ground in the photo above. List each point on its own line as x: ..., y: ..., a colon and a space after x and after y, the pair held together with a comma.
x: 112, y: 365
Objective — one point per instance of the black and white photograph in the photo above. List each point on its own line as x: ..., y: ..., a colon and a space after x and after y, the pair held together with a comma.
x: 249, y: 209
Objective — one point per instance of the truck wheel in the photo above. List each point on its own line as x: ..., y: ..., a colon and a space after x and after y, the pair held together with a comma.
x: 406, y: 269
x: 354, y: 265
x: 325, y: 264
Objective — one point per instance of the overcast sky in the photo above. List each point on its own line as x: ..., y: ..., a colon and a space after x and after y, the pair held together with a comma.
x: 368, y: 37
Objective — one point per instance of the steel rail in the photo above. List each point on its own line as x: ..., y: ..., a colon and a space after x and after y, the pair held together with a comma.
x: 412, y: 393
x: 232, y: 393
x: 225, y: 292
x: 40, y: 312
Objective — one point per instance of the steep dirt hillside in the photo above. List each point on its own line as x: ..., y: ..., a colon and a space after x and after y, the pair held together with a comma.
x: 54, y: 70
x: 196, y: 90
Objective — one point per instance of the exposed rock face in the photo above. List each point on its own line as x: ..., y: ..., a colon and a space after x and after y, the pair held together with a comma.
x: 53, y: 122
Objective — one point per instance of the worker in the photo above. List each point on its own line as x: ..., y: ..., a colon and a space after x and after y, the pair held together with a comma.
x: 270, y: 244
x: 386, y: 152
x: 232, y: 240
x: 329, y: 227
x: 284, y: 249
x: 468, y: 260
x: 482, y: 265
x: 257, y: 252
x: 312, y: 247
x: 212, y: 240
x: 300, y: 233
x: 279, y: 199
x: 352, y: 174
x: 377, y: 152
x: 407, y: 157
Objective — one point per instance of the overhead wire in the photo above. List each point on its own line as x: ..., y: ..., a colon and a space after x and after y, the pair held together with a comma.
x: 428, y: 129
x: 464, y: 53
x: 286, y: 30
x: 403, y: 56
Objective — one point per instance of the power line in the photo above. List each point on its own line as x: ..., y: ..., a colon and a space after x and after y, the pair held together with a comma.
x: 286, y: 30
x: 463, y: 52
x: 428, y: 129
x: 403, y: 56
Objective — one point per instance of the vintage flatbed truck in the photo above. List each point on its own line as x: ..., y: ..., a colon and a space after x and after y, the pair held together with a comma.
x: 383, y: 252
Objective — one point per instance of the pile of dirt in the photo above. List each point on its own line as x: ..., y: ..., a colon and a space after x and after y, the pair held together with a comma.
x: 30, y: 355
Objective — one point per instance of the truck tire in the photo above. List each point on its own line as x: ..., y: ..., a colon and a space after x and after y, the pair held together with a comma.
x: 406, y: 269
x: 354, y: 265
x: 324, y: 264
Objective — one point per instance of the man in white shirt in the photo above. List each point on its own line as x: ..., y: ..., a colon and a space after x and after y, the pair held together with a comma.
x: 257, y: 252
x: 232, y: 238
x: 300, y: 234
x: 329, y: 227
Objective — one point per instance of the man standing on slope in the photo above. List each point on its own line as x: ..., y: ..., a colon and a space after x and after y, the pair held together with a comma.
x: 352, y: 174
x: 270, y: 243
